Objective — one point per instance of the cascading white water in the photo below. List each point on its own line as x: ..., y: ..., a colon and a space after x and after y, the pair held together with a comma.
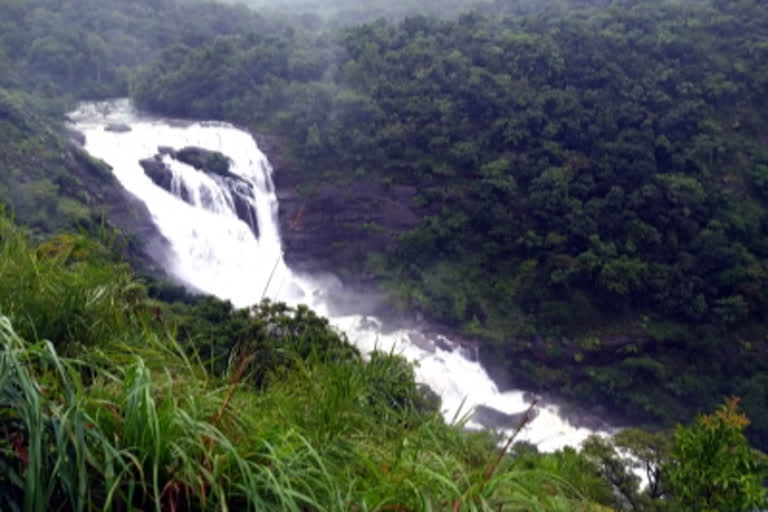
x: 216, y: 252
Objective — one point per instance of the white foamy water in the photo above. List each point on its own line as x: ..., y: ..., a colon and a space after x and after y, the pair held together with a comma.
x: 216, y: 252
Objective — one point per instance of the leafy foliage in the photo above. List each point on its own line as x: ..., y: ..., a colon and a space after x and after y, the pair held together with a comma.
x: 714, y: 467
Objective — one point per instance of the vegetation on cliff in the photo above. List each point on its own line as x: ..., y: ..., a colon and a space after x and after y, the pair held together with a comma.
x: 101, y: 406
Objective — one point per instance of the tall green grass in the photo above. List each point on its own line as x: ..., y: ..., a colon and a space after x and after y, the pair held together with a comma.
x: 67, y: 291
x: 101, y: 409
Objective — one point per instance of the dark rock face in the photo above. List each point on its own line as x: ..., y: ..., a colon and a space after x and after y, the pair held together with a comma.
x: 158, y: 172
x: 117, y: 128
x: 335, y: 227
x: 493, y: 418
x: 204, y: 160
x: 131, y: 215
x: 242, y: 193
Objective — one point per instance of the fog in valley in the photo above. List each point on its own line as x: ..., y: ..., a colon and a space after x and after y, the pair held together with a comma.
x: 324, y: 13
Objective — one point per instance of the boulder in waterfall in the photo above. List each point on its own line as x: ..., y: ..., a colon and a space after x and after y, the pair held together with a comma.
x: 420, y: 340
x: 117, y: 128
x: 217, y: 166
x: 205, y: 160
x: 445, y: 344
x: 184, y: 194
x: 158, y: 172
x: 166, y: 150
x: 469, y: 352
x: 162, y: 176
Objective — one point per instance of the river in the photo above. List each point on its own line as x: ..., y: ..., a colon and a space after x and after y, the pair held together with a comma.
x: 213, y: 250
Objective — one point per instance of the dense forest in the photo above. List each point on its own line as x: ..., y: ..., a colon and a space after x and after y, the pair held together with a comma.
x: 322, y: 14
x: 596, y: 175
x: 88, y: 48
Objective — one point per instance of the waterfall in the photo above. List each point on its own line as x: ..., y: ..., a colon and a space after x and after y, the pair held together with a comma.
x: 218, y: 251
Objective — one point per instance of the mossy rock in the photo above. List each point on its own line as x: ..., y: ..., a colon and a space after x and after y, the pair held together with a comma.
x: 204, y: 160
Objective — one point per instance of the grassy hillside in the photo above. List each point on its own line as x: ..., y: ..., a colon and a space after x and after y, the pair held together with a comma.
x: 103, y: 407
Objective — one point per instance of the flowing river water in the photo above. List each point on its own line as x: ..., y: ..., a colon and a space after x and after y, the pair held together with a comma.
x: 214, y: 251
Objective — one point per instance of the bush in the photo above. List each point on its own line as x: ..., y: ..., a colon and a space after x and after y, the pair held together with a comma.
x: 714, y: 469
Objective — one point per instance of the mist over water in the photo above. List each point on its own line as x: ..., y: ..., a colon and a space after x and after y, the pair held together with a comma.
x: 214, y: 251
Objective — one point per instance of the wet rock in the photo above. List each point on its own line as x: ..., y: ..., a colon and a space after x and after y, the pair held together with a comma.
x: 185, y: 194
x: 243, y: 198
x: 217, y: 164
x: 334, y: 227
x: 444, y: 343
x: 531, y: 397
x: 205, y: 160
x: 422, y: 342
x: 117, y: 128
x: 494, y: 418
x: 158, y: 172
x: 469, y: 352
x: 162, y: 176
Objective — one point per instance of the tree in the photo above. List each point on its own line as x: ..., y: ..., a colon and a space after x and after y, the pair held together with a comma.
x: 624, y: 457
x: 713, y: 468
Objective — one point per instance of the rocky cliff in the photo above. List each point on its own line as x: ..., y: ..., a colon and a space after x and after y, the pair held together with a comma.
x: 333, y: 227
